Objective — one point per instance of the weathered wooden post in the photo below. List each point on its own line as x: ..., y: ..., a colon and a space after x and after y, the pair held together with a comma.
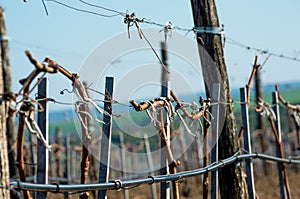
x: 247, y: 142
x: 214, y: 70
x: 6, y: 76
x: 260, y: 120
x: 4, y: 162
x: 42, y: 151
x: 106, y: 137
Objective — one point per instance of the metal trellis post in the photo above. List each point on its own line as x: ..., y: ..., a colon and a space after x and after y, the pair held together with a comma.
x: 73, y: 164
x: 67, y: 163
x: 106, y: 136
x: 278, y: 127
x: 215, y: 137
x: 150, y: 165
x: 165, y: 92
x: 247, y: 143
x: 42, y: 152
x: 123, y: 161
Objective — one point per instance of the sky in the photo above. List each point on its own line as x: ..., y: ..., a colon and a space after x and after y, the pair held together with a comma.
x: 69, y: 36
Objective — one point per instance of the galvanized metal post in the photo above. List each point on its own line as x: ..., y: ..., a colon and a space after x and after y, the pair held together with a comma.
x: 165, y: 92
x: 123, y: 162
x: 150, y: 165
x: 73, y: 164
x: 106, y: 136
x: 42, y: 152
x: 67, y: 163
x: 215, y: 137
x: 247, y: 143
x: 275, y: 103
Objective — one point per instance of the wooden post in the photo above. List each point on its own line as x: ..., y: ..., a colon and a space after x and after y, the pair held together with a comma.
x: 20, y: 152
x: 4, y: 169
x: 85, y: 162
x: 6, y: 75
x: 214, y: 71
x: 247, y: 143
x: 123, y: 161
x: 260, y: 120
x: 283, y: 193
x: 42, y: 151
x: 106, y: 137
x: 4, y: 162
x: 150, y: 165
x: 259, y: 94
x: 165, y: 92
x: 215, y: 137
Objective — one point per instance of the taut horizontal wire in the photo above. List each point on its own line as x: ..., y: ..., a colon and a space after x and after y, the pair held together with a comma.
x: 118, y: 184
x: 262, y: 51
x: 80, y: 10
x: 151, y: 22
x: 104, y: 8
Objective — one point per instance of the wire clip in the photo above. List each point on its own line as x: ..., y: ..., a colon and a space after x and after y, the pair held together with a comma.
x: 209, y: 30
x: 4, y: 38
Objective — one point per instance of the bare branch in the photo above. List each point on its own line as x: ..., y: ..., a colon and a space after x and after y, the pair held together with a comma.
x: 286, y: 103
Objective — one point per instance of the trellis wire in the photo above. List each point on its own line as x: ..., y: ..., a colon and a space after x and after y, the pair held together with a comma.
x: 118, y: 184
x: 169, y: 27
